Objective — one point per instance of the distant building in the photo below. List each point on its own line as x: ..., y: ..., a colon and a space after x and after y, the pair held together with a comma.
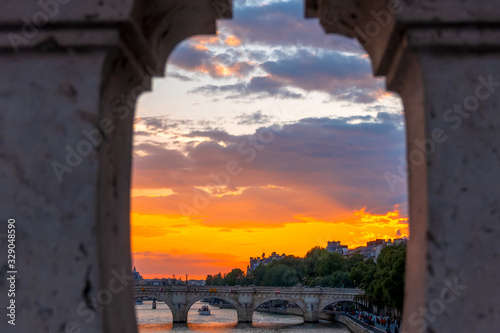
x: 163, y: 282
x: 138, y: 280
x: 400, y: 241
x: 197, y: 282
x: 173, y: 281
x: 336, y: 247
x: 373, y: 248
x: 255, y: 262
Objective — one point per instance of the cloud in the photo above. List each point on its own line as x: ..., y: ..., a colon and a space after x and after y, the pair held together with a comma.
x: 345, y: 77
x: 156, y: 125
x: 258, y: 86
x: 199, y: 58
x: 232, y: 41
x: 301, y: 58
x: 189, y: 57
x: 178, y: 76
x: 287, y: 172
x: 256, y: 118
x: 341, y: 76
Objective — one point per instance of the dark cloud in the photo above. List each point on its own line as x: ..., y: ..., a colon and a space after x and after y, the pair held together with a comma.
x: 343, y: 77
x: 304, y: 64
x: 159, y: 157
x: 360, y: 97
x: 165, y: 125
x: 316, y: 167
x: 178, y: 76
x: 260, y: 86
x: 256, y: 118
x: 302, y: 56
x: 391, y: 117
x: 188, y: 57
x: 257, y: 55
x: 160, y: 123
x: 312, y: 164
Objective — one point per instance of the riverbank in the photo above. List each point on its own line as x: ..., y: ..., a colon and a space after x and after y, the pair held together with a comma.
x: 354, y: 325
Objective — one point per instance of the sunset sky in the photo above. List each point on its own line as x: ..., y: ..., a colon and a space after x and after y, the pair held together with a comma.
x: 270, y: 136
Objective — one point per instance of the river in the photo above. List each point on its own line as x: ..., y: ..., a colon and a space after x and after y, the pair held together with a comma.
x: 225, y: 321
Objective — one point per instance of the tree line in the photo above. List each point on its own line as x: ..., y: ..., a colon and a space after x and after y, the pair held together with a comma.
x: 383, y: 281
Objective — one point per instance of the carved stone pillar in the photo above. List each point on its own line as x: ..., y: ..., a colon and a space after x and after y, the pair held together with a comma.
x: 179, y: 313
x: 245, y: 304
x: 70, y: 74
x: 443, y: 58
x: 245, y: 313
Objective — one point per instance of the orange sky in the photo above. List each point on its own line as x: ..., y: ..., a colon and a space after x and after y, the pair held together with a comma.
x: 163, y: 245
x: 208, y: 205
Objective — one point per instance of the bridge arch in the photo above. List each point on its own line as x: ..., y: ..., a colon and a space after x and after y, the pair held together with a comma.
x: 166, y: 300
x: 259, y: 301
x: 326, y: 303
x: 197, y: 298
x: 169, y: 304
x: 291, y: 300
x: 174, y: 309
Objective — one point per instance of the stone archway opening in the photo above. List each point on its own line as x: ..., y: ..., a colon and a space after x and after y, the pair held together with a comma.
x: 153, y: 316
x: 196, y: 197
x: 203, y: 200
x: 277, y: 312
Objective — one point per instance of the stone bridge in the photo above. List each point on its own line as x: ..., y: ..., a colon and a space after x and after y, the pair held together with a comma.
x: 246, y: 299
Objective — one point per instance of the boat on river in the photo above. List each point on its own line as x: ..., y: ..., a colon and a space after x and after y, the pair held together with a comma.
x: 204, y: 311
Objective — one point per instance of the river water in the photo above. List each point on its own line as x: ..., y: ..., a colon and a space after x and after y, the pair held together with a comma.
x: 225, y: 321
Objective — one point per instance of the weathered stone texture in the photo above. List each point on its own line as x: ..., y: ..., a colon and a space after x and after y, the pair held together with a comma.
x: 67, y: 100
x: 443, y: 58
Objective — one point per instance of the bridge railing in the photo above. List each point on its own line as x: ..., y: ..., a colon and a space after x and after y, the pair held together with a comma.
x: 150, y: 288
